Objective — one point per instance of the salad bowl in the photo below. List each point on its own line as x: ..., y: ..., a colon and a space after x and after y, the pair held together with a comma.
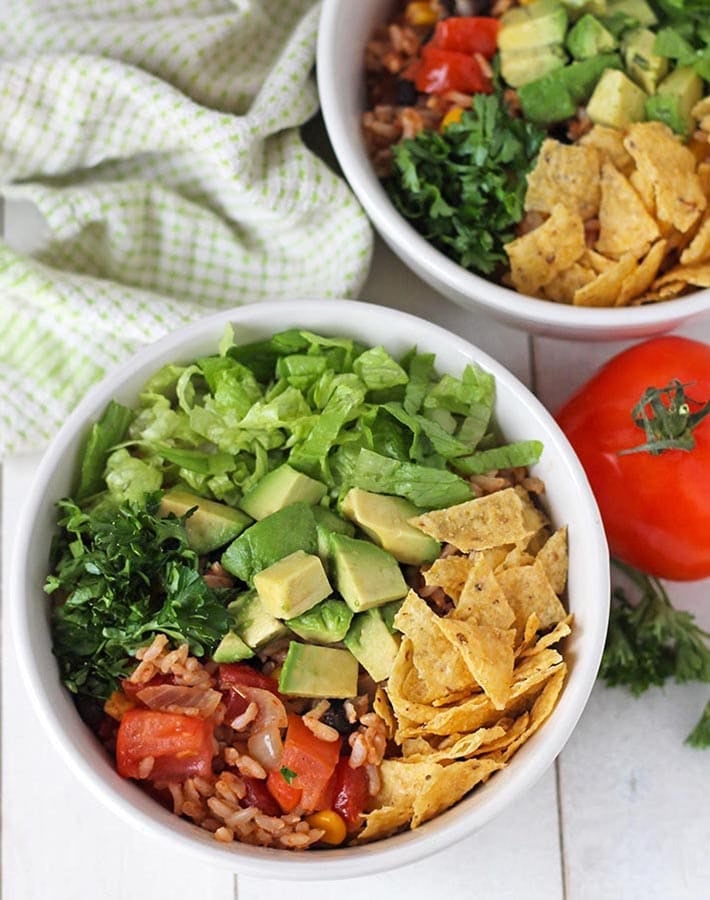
x: 344, y: 32
x: 519, y: 416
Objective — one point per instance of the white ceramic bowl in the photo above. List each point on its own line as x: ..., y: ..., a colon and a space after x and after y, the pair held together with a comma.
x: 344, y: 30
x: 518, y: 413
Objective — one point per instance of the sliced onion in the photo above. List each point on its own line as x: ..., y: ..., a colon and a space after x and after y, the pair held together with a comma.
x: 176, y: 698
x: 272, y: 712
x: 266, y: 747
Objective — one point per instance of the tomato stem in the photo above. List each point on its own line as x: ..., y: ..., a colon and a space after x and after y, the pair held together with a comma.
x: 665, y: 416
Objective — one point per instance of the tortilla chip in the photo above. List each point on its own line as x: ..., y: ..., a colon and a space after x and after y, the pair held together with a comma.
x: 384, y: 821
x: 541, y: 710
x: 450, y: 574
x: 383, y: 708
x: 481, y: 523
x: 596, y: 261
x: 558, y: 633
x: 698, y: 275
x: 482, y: 601
x: 567, y: 174
x: 528, y: 591
x: 701, y: 113
x: 540, y: 255
x: 670, y: 166
x: 640, y: 279
x: 488, y: 653
x: 553, y: 556
x: 698, y: 250
x: 625, y: 226
x: 610, y: 144
x: 451, y: 748
x: 643, y: 186
x: 606, y: 287
x: 665, y: 291
x: 563, y: 286
x: 448, y: 784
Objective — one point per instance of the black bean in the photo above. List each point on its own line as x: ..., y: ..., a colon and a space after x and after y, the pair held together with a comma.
x: 405, y: 94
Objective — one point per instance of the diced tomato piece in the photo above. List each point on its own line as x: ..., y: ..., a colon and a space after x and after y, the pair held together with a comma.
x: 440, y: 71
x: 236, y: 674
x: 288, y: 796
x: 258, y: 795
x: 312, y: 761
x: 350, y: 792
x: 182, y: 746
x: 468, y: 34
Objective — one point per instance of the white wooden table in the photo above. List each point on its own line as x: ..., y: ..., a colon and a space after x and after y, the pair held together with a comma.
x: 624, y: 814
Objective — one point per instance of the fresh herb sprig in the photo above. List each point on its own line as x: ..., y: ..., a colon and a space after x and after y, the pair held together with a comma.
x: 651, y: 642
x: 122, y: 574
x: 464, y: 188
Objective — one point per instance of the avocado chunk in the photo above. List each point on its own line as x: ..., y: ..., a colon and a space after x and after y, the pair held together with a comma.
x: 638, y: 10
x: 372, y: 643
x: 328, y: 522
x: 292, y: 585
x: 253, y: 622
x: 312, y: 671
x: 384, y: 518
x: 210, y: 526
x: 365, y: 574
x: 325, y: 623
x: 616, y: 101
x: 588, y: 37
x: 577, y: 8
x: 644, y: 66
x: 231, y: 649
x: 263, y: 543
x: 536, y: 24
x: 556, y: 97
x: 281, y: 487
x: 518, y: 67
x: 675, y: 98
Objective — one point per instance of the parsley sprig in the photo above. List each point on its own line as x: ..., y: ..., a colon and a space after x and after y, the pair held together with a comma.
x: 121, y: 575
x: 464, y: 188
x: 650, y: 642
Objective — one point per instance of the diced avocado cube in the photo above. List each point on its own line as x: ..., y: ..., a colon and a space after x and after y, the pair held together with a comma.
x: 616, y: 101
x: 253, y: 622
x: 580, y: 78
x: 518, y: 67
x: 546, y: 100
x: 556, y: 96
x: 292, y: 585
x: 588, y: 37
x: 365, y: 574
x: 577, y: 8
x: 328, y: 522
x: 281, y: 487
x: 676, y: 96
x: 642, y: 65
x: 384, y: 518
x: 325, y: 623
x: 533, y: 25
x: 638, y: 10
x: 312, y: 671
x: 231, y: 649
x: 372, y: 644
x: 211, y: 525
x: 263, y: 543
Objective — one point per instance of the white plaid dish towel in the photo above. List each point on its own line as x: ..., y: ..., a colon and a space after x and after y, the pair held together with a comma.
x: 160, y: 141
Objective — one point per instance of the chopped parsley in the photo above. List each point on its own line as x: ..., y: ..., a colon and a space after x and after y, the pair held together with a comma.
x: 464, y: 189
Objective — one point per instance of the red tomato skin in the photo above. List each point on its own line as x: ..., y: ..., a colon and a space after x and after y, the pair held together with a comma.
x: 182, y: 746
x: 234, y: 674
x: 440, y: 71
x: 286, y: 795
x: 351, y: 792
x: 257, y: 794
x: 312, y: 760
x: 655, y: 508
x: 468, y: 34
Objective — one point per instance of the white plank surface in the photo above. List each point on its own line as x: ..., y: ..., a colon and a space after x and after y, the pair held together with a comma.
x: 633, y: 799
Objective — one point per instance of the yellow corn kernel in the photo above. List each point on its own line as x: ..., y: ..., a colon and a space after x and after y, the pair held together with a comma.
x: 453, y: 115
x: 333, y: 825
x: 421, y: 13
x: 117, y: 704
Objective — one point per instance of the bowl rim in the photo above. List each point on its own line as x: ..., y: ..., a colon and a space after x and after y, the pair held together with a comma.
x: 339, y: 863
x: 533, y: 313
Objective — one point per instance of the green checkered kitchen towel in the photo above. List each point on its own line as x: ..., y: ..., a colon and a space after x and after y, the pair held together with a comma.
x: 160, y: 141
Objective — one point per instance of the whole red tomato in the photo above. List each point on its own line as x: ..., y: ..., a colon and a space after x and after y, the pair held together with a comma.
x: 655, y: 503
